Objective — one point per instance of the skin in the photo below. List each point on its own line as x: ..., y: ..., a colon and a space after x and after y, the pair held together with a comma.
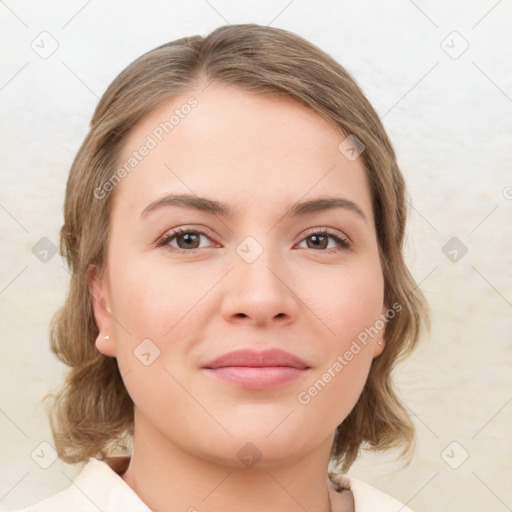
x: 260, y: 155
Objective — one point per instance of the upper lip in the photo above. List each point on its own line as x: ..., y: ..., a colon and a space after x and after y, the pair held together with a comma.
x: 253, y: 358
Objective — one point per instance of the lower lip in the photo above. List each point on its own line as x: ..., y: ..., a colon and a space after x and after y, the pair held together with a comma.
x: 265, y: 377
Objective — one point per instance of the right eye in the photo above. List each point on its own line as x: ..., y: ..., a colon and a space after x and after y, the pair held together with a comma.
x: 187, y: 238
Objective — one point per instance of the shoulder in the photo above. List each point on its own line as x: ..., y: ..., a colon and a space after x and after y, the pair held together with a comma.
x: 97, y: 487
x: 366, y: 497
x: 66, y: 500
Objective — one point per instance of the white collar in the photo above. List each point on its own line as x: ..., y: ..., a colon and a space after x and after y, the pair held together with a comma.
x: 100, y: 487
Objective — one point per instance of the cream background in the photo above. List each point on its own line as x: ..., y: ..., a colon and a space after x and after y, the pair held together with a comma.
x: 451, y: 123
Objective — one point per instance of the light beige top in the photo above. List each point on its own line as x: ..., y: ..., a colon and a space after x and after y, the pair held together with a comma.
x: 99, y: 487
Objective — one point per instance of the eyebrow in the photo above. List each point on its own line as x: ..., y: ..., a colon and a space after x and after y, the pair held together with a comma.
x: 224, y: 210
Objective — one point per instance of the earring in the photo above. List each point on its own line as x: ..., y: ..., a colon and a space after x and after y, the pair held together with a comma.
x: 107, y: 337
x: 379, y: 342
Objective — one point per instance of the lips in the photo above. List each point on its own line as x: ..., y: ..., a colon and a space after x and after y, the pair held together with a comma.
x: 254, y: 359
x: 257, y: 370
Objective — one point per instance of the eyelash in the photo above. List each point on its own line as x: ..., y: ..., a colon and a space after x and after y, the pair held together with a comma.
x: 343, y: 242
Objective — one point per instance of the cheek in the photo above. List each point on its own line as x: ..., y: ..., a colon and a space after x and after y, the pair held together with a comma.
x: 351, y: 302
x: 169, y: 306
x: 151, y: 299
x: 348, y: 301
x: 153, y: 308
x: 332, y: 394
x: 350, y: 308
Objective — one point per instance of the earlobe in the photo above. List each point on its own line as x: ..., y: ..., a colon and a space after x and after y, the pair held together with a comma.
x: 102, y: 314
x: 105, y: 345
x: 379, y: 348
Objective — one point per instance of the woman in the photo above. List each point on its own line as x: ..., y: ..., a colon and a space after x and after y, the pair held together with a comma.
x: 234, y: 224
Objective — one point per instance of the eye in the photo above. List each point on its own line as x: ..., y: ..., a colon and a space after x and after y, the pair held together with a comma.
x: 187, y: 240
x: 320, y: 240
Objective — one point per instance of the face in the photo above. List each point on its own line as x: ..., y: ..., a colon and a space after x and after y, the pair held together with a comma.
x: 249, y: 270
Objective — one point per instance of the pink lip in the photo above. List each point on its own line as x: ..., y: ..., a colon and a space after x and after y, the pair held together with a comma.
x: 252, y: 358
x: 257, y: 370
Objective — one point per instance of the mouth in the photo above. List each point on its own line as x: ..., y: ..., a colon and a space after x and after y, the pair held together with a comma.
x: 257, y: 370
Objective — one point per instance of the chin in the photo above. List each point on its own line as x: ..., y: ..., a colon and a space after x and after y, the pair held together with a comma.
x: 258, y: 450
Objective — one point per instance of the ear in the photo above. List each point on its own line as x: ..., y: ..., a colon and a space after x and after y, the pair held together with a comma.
x: 378, y: 342
x: 100, y: 298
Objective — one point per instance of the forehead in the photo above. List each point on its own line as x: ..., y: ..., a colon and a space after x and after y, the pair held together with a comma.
x: 241, y: 148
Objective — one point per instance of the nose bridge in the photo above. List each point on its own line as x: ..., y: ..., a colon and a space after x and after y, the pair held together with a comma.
x: 258, y: 285
x: 257, y: 263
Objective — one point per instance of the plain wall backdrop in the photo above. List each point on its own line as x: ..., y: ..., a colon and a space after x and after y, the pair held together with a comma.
x: 438, y: 74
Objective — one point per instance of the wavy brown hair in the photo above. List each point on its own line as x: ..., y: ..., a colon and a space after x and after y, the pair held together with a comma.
x: 92, y: 413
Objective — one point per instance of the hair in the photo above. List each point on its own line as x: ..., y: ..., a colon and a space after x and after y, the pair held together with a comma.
x: 92, y: 413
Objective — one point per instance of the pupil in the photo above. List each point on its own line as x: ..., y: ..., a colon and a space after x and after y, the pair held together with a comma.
x: 316, y: 239
x: 189, y: 238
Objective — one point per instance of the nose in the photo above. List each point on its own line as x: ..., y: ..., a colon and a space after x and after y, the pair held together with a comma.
x: 260, y: 293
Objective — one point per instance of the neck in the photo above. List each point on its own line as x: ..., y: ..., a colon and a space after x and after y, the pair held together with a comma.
x: 167, y: 478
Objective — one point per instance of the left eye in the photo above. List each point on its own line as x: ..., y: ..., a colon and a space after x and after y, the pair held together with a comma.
x: 320, y: 240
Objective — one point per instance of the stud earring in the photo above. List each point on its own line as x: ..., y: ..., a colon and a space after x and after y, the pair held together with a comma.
x: 379, y: 342
x: 107, y: 337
